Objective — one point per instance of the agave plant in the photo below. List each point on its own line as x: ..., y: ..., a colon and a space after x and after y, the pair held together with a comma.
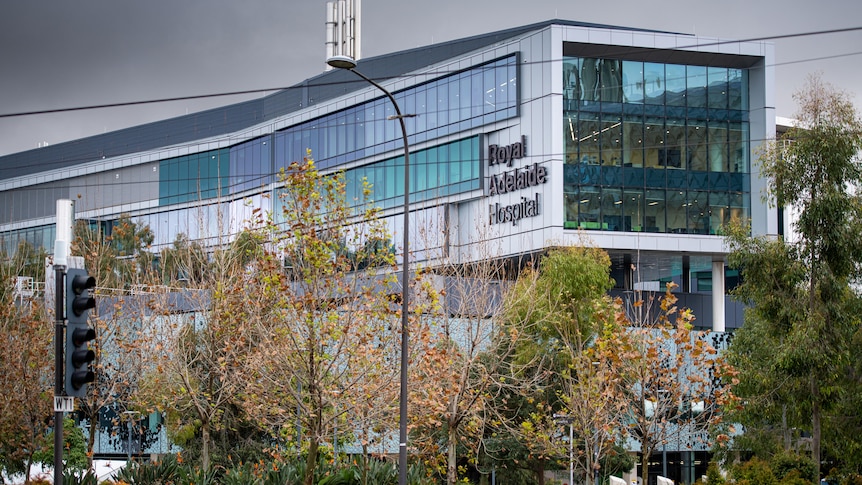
x: 163, y: 472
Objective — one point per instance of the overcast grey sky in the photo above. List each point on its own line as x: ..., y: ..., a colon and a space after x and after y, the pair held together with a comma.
x: 69, y: 53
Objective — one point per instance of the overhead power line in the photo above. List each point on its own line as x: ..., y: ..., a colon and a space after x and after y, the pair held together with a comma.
x: 264, y: 90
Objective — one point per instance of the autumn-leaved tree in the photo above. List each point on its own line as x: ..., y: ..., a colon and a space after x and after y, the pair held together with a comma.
x: 463, y: 359
x: 26, y: 380
x: 192, y: 335
x: 677, y: 385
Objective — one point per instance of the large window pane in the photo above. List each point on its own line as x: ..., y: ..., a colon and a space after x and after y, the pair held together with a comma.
x: 612, y: 209
x: 654, y: 83
x: 717, y: 78
x: 696, y: 86
x: 588, y: 139
x: 737, y: 85
x: 676, y: 77
x: 633, y: 142
x: 571, y: 82
x: 698, y: 212
x: 718, y: 146
x: 719, y: 211
x: 610, y: 139
x: 633, y: 82
x: 696, y: 145
x: 589, y: 208
x: 590, y: 80
x: 570, y: 136
x: 738, y: 147
x: 611, y: 79
x: 676, y: 211
x: 654, y: 211
x: 674, y: 146
x: 633, y: 210
x: 654, y: 142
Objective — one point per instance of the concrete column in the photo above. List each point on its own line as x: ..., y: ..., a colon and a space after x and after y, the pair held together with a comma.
x: 686, y: 273
x: 718, y: 295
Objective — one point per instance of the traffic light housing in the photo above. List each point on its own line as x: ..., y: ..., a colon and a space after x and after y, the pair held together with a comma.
x: 79, y: 357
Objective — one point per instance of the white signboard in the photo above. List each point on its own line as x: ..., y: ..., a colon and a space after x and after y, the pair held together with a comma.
x: 64, y: 404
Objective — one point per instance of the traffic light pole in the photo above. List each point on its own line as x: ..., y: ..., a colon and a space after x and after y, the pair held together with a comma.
x: 59, y: 376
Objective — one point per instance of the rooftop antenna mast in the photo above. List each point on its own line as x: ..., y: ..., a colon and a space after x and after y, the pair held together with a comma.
x: 342, y: 29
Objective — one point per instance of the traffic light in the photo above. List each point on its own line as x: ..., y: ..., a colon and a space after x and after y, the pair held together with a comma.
x: 79, y: 301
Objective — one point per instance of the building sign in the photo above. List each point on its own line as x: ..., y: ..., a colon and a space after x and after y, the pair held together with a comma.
x: 498, y: 155
x: 513, y: 213
x: 519, y: 178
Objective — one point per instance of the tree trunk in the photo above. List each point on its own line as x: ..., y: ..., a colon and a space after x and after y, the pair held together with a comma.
x: 91, y: 440
x: 540, y: 473
x: 645, y: 453
x: 27, y: 470
x: 364, y: 463
x: 311, y: 461
x: 205, y: 446
x: 815, y: 429
x: 452, y: 456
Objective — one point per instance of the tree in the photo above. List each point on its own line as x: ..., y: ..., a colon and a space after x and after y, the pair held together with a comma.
x: 563, y: 307
x: 675, y: 382
x: 464, y: 359
x: 323, y: 357
x: 802, y: 309
x: 26, y: 384
x: 193, y: 336
x: 120, y: 262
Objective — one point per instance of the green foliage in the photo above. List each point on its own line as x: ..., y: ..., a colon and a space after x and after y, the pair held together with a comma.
x: 169, y: 471
x: 795, y: 351
x: 616, y: 461
x: 345, y: 476
x: 754, y: 472
x: 166, y: 471
x: 74, y: 448
x: 713, y: 474
x: 787, y: 466
x: 560, y: 296
x: 264, y: 473
x: 78, y: 477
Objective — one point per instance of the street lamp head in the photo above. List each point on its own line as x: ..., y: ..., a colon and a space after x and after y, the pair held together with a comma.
x: 341, y: 62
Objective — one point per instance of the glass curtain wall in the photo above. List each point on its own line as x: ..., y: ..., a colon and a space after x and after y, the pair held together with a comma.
x: 468, y: 99
x: 654, y: 147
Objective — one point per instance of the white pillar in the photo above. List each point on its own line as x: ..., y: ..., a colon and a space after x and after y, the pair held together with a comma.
x: 718, y: 295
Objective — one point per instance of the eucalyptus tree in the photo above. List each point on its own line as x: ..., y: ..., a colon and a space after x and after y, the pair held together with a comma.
x: 799, y: 288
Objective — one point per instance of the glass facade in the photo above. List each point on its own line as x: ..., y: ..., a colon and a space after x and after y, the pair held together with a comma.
x: 251, y: 165
x: 654, y: 147
x: 451, y: 104
x: 446, y: 169
x: 36, y: 237
x: 193, y: 177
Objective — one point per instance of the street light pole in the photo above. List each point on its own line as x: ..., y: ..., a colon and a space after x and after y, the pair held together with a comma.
x: 348, y: 63
x: 130, y: 415
x: 662, y: 393
x: 565, y: 419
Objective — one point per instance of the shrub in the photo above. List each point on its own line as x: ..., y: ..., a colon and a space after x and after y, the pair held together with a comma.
x: 754, y: 472
x: 785, y: 464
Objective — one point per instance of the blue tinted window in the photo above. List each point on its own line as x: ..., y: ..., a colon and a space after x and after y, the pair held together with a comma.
x: 460, y: 101
x: 450, y: 168
x: 679, y: 131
